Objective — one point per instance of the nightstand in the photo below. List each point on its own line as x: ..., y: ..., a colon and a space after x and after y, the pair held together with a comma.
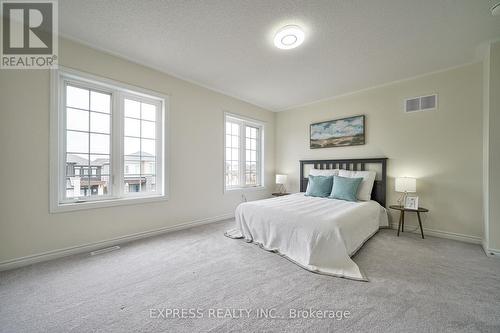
x: 401, y: 224
x: 279, y: 194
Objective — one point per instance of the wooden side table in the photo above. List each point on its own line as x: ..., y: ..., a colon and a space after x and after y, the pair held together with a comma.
x: 401, y: 224
x: 277, y: 194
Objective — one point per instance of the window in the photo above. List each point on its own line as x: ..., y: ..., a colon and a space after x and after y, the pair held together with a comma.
x: 140, y: 146
x: 243, y: 152
x: 107, y: 142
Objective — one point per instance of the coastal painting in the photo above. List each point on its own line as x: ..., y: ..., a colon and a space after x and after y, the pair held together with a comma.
x: 337, y: 133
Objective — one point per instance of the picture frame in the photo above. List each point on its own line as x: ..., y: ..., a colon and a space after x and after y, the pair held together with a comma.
x: 411, y: 202
x: 341, y: 132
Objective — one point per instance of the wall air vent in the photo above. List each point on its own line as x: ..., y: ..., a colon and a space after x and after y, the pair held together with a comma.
x: 422, y: 103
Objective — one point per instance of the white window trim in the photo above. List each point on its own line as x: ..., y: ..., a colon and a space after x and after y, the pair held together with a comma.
x: 257, y: 123
x: 57, y: 160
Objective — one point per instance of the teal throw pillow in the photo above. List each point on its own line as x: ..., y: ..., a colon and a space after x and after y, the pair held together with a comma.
x: 345, y: 188
x: 319, y: 186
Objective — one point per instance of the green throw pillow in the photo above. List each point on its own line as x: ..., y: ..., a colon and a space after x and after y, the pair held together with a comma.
x: 319, y: 186
x: 345, y: 188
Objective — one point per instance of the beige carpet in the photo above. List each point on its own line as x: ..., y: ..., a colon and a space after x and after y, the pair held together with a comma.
x: 415, y: 285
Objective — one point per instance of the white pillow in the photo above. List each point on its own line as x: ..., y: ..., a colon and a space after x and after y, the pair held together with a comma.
x: 326, y: 173
x: 366, y: 186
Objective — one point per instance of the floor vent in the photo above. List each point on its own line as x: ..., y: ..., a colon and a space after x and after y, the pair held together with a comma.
x: 421, y: 103
x: 106, y: 250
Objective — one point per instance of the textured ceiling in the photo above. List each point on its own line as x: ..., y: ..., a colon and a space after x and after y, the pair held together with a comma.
x: 227, y: 45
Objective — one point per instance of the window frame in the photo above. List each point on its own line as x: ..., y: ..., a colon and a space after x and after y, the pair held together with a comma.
x: 119, y: 91
x: 244, y: 122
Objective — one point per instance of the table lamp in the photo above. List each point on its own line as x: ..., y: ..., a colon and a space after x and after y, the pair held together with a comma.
x: 281, y: 180
x: 405, y: 185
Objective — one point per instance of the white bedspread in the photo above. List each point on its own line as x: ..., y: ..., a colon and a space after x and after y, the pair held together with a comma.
x: 318, y: 234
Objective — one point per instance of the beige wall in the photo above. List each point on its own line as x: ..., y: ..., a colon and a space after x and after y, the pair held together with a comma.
x: 196, y: 166
x: 443, y: 149
x: 486, y: 141
x: 492, y: 110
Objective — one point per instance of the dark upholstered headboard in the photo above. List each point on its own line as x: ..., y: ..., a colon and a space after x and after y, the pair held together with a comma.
x: 361, y: 164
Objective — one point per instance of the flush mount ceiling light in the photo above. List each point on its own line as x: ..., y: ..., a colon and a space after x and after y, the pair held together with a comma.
x: 289, y: 37
x: 495, y: 9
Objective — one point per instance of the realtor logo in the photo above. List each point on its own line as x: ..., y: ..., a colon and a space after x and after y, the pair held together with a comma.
x: 29, y: 34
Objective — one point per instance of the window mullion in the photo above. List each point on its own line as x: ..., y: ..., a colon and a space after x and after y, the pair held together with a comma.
x: 243, y: 155
x: 62, y: 141
x: 88, y: 181
x: 259, y: 169
x: 117, y: 144
x: 159, y: 166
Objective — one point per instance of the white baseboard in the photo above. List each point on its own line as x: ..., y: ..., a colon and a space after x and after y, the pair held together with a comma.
x: 494, y: 253
x: 49, y: 255
x: 441, y: 234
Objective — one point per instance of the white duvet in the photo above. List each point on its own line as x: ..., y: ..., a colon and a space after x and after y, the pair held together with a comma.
x: 318, y: 234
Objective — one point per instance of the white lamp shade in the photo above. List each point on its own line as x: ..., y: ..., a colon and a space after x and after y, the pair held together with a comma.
x: 406, y: 184
x: 281, y: 179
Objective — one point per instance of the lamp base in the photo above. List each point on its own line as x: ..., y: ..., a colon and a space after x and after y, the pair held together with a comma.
x: 402, y: 199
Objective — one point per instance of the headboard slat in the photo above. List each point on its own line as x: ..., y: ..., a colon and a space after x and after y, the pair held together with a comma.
x: 379, y: 187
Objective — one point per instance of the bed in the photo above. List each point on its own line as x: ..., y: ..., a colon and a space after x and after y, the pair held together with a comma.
x: 318, y: 234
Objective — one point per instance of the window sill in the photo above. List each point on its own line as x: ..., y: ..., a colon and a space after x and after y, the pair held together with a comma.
x: 73, y: 206
x: 244, y: 189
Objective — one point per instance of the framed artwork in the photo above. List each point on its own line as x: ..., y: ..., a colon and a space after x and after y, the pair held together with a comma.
x: 338, y: 133
x: 411, y: 202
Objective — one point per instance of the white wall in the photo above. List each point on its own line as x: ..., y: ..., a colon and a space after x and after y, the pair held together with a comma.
x: 492, y: 146
x: 196, y: 166
x: 486, y: 141
x: 443, y: 149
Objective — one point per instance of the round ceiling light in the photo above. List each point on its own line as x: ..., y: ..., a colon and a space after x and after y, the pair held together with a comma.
x: 495, y: 9
x: 289, y: 37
